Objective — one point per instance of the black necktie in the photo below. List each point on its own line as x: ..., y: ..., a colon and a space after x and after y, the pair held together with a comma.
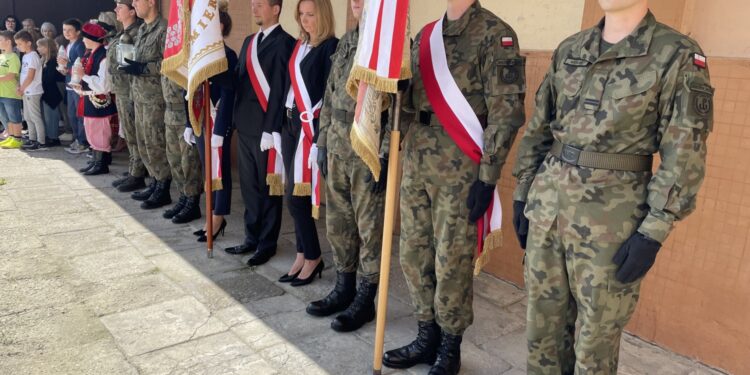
x: 260, y: 38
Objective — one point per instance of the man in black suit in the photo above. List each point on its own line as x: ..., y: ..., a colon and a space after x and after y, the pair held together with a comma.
x: 258, y: 110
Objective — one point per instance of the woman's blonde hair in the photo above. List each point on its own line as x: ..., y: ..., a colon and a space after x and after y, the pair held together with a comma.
x: 51, y: 49
x: 324, y: 15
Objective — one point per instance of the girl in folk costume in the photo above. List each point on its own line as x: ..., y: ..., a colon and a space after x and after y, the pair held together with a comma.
x: 308, y: 73
x: 96, y: 104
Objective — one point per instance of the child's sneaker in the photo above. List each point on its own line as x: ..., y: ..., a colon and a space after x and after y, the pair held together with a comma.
x: 66, y: 137
x: 12, y: 144
x: 30, y: 145
x: 80, y: 149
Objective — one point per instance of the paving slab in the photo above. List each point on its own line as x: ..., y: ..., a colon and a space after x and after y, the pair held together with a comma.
x: 110, y: 265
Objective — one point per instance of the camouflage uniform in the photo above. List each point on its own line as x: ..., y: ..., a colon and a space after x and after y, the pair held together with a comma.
x: 184, y: 160
x: 354, y: 215
x: 121, y: 87
x: 644, y: 95
x: 438, y: 243
x: 148, y: 99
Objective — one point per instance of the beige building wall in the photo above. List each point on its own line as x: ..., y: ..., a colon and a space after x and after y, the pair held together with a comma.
x: 540, y: 24
x: 722, y: 33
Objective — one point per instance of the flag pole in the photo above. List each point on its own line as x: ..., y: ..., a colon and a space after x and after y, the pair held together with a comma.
x: 208, y: 177
x: 390, y: 214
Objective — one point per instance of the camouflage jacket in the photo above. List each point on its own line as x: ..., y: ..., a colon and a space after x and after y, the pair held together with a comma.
x: 149, y: 48
x: 120, y: 80
x: 174, y: 96
x: 491, y: 77
x: 334, y: 133
x: 648, y: 93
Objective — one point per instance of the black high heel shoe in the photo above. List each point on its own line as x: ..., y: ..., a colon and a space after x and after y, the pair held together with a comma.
x: 318, y: 271
x: 287, y: 278
x: 223, y: 226
x: 199, y: 233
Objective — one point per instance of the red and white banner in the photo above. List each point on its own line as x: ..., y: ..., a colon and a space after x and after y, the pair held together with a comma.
x: 194, y: 48
x: 462, y: 125
x: 196, y: 109
x: 382, y: 60
x: 306, y: 175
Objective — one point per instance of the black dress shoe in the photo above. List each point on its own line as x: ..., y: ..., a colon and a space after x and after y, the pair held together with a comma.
x: 223, y: 226
x: 261, y: 257
x: 287, y: 278
x: 199, y: 233
x: 317, y: 271
x: 240, y: 249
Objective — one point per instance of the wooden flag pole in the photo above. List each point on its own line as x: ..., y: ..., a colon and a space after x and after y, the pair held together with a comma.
x: 208, y: 177
x: 385, y: 259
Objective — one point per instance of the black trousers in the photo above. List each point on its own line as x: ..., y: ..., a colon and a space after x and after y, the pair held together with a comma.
x: 222, y: 199
x: 262, y: 212
x: 299, y: 207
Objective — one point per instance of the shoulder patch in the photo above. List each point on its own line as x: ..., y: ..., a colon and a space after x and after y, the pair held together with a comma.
x: 507, y: 41
x: 700, y: 61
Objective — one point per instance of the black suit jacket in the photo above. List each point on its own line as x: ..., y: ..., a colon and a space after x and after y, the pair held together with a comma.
x: 274, y: 53
x: 316, y: 67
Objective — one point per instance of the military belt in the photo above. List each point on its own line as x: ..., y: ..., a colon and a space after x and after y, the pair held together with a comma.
x: 343, y: 116
x: 430, y: 119
x: 600, y: 160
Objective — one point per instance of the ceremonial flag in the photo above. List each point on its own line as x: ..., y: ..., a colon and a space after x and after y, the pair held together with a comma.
x: 382, y: 60
x: 194, y: 50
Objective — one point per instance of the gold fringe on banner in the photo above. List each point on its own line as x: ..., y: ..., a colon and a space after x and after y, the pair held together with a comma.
x: 217, y: 185
x: 316, y: 212
x: 360, y: 73
x: 215, y: 68
x: 362, y: 149
x: 275, y: 185
x: 302, y: 190
x: 493, y: 241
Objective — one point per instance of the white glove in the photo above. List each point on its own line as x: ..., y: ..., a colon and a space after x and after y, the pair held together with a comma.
x: 277, y: 142
x: 266, y: 142
x: 313, y: 157
x: 189, y: 136
x: 216, y: 141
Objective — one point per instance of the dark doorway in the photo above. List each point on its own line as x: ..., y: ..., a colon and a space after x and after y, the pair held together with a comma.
x: 54, y: 11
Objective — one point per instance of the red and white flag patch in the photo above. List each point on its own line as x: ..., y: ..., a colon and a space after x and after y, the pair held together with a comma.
x: 507, y: 41
x: 700, y: 60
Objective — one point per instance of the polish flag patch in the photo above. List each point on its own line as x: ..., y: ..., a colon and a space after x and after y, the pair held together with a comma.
x: 700, y: 60
x: 507, y: 41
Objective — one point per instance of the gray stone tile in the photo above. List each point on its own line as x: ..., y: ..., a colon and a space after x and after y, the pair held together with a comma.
x: 496, y: 291
x: 491, y: 322
x: 222, y: 353
x: 32, y: 292
x: 96, y: 241
x: 51, y: 224
x: 511, y: 348
x: 239, y: 314
x: 127, y: 293
x: 33, y: 182
x: 245, y: 286
x: 110, y: 265
x: 165, y: 324
x: 39, y: 193
x: 6, y: 204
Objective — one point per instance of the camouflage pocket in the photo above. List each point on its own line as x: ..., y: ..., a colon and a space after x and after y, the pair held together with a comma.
x: 631, y: 98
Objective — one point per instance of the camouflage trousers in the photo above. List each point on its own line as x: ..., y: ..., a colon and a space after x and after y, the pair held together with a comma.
x: 150, y: 133
x: 354, y: 218
x: 126, y: 115
x: 571, y: 281
x: 183, y: 158
x: 437, y: 242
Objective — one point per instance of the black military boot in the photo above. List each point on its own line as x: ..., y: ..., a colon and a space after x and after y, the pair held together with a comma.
x: 132, y: 184
x: 144, y: 194
x: 99, y: 167
x: 160, y: 197
x: 172, y: 212
x: 449, y: 356
x: 89, y: 165
x: 190, y: 211
x: 120, y: 181
x: 107, y: 158
x: 340, y: 297
x: 360, y: 312
x: 422, y: 350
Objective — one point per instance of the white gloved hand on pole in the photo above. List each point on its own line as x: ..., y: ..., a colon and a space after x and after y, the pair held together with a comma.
x: 266, y: 142
x: 189, y: 136
x: 216, y: 141
x: 312, y: 159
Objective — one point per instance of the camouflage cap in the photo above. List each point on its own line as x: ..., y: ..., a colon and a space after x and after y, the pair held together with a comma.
x: 126, y: 2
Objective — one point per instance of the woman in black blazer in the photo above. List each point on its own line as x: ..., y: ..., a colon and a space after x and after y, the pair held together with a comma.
x: 222, y: 92
x: 308, y: 72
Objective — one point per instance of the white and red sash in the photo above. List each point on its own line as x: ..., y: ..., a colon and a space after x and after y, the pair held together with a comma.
x: 460, y: 122
x: 275, y: 166
x: 306, y: 179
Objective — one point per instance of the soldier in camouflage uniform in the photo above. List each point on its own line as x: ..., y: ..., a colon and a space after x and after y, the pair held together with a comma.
x: 149, y: 103
x: 595, y: 213
x: 438, y: 238
x: 121, y: 88
x: 183, y: 158
x: 355, y: 202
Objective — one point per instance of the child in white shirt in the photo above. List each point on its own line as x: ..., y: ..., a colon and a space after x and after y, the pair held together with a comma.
x: 31, y: 89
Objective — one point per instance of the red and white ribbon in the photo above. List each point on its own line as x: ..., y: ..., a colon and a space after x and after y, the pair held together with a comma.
x: 458, y: 118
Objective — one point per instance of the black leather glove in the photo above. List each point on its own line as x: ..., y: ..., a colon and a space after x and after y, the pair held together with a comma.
x: 635, y: 257
x: 403, y: 85
x: 520, y: 223
x: 134, y: 67
x: 480, y: 197
x: 323, y: 161
x: 378, y: 187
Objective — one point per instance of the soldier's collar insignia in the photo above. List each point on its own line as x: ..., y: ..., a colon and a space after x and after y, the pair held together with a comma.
x: 700, y: 60
x: 507, y: 41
